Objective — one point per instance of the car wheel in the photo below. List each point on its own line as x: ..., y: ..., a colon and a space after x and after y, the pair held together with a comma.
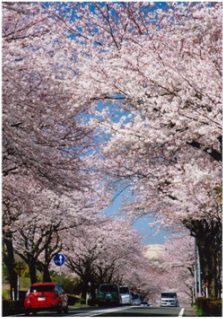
x: 34, y: 312
x: 26, y: 312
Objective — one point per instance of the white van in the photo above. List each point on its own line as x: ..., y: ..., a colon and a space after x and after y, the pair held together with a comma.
x: 136, y: 301
x: 126, y: 295
x: 169, y: 299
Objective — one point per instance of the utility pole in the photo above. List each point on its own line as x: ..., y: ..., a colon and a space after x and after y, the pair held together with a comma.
x: 197, y: 271
x: 199, y: 274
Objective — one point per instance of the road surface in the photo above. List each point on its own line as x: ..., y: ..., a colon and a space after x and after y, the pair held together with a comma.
x: 132, y: 311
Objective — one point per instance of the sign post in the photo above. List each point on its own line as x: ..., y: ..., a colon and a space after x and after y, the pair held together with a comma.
x: 19, y: 269
x: 59, y: 260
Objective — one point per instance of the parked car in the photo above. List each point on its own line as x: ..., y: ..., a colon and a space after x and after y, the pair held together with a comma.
x: 45, y: 296
x: 144, y: 303
x: 136, y: 301
x: 125, y: 295
x: 109, y: 294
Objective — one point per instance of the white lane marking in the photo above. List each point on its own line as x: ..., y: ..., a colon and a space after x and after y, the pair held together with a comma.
x: 109, y: 310
x: 181, y: 312
x: 97, y: 312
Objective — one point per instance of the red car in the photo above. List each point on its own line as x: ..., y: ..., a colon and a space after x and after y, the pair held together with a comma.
x: 45, y: 296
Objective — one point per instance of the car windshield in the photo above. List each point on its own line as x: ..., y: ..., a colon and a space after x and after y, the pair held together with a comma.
x: 124, y: 290
x: 135, y: 296
x: 168, y: 295
x: 108, y: 288
x: 48, y: 288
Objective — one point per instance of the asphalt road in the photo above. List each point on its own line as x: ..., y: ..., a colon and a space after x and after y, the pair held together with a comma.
x: 133, y: 311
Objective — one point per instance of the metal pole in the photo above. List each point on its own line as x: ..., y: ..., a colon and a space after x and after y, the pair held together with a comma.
x: 18, y: 287
x: 199, y: 273
x: 206, y: 288
x: 195, y: 269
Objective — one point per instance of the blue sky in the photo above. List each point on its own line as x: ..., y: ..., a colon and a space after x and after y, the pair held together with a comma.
x: 150, y: 234
x: 141, y: 224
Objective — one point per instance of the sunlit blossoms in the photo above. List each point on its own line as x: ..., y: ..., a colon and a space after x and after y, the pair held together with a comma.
x: 103, y: 96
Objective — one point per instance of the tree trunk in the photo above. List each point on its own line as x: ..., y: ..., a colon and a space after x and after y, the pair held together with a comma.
x: 84, y: 289
x: 32, y: 272
x: 46, y: 274
x: 13, y: 284
x: 210, y: 252
x: 9, y: 261
x: 208, y: 236
x: 93, y: 291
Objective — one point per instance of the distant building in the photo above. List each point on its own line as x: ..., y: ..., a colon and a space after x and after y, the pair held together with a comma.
x: 153, y: 250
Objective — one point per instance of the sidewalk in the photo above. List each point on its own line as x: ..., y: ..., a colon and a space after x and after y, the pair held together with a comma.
x: 190, y: 312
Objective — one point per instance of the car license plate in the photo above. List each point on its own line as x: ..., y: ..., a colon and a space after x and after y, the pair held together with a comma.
x: 168, y: 304
x: 41, y: 298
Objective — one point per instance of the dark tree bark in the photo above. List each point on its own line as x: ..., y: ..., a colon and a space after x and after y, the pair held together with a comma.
x: 9, y: 261
x: 208, y: 236
x: 48, y: 242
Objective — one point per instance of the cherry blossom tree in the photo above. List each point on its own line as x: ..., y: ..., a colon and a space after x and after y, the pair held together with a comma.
x: 45, y: 219
x: 14, y: 198
x: 160, y: 71
x: 36, y: 238
x: 44, y: 142
x: 112, y: 252
x: 148, y: 80
x: 41, y: 133
x: 178, y: 263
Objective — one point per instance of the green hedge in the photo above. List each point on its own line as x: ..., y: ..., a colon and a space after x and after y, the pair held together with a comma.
x: 209, y: 306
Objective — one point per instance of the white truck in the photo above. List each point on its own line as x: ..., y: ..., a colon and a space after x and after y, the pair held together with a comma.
x: 169, y: 299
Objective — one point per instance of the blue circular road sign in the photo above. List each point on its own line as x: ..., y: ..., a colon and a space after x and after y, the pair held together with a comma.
x: 59, y: 259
